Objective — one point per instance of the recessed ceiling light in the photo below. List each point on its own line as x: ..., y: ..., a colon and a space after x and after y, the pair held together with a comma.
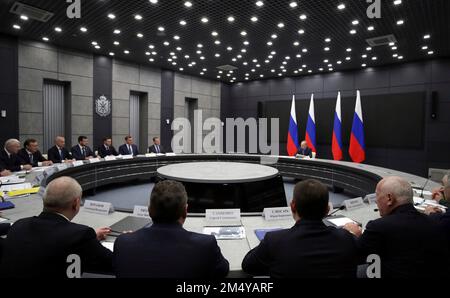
x: 353, y: 31
x: 97, y: 47
x: 374, y: 58
x: 246, y: 42
x: 153, y: 1
x: 116, y: 43
x: 126, y: 52
x: 199, y: 45
x: 293, y: 4
x: 339, y: 62
x: 229, y: 49
x: 217, y: 55
x: 400, y: 22
x: 259, y: 3
x: 202, y: 58
x: 161, y: 29
x: 17, y: 27
x: 296, y: 43
x: 269, y: 43
x: 305, y: 50
x: 341, y: 6
x: 147, y: 53
x: 298, y: 56
x: 111, y: 16
x: 355, y: 22
x: 151, y: 46
x: 199, y: 52
x: 428, y: 36
x: 138, y: 17
x: 301, y: 31
x: 83, y: 29
x: 214, y: 33
x: 430, y: 52
x: 24, y: 17
x: 183, y: 23
x: 348, y: 58
x: 45, y: 38
x: 166, y: 43
x: 243, y: 33
x: 364, y: 56
x: 254, y: 19
x: 327, y: 39
x: 181, y: 68
x: 394, y: 48
x: 425, y: 48
x: 111, y: 53
x: 280, y: 25
x: 116, y: 31
x: 400, y: 57
x: 395, y: 55
x: 368, y: 49
x: 303, y: 17
x: 58, y: 29
x: 326, y: 49
x: 94, y: 43
x: 397, y: 2
x: 188, y: 4
x: 217, y: 42
x: 140, y: 35
x: 151, y: 59
x: 349, y: 50
x: 370, y: 28
x: 274, y: 36
x: 176, y: 37
x: 364, y: 65
x: 230, y: 19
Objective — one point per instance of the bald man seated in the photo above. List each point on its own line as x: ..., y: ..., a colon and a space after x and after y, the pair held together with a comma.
x: 409, y: 243
x: 39, y: 246
x: 9, y: 160
x: 58, y: 153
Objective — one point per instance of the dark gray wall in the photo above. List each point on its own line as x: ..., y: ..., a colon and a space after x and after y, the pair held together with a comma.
x: 425, y: 76
x: 167, y: 107
x: 9, y: 126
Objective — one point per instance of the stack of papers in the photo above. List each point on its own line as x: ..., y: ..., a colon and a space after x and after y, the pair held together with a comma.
x: 13, y: 187
x: 225, y: 233
x: 11, y: 180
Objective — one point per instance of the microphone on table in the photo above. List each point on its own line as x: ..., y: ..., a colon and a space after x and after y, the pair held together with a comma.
x: 336, y: 210
x: 423, y: 188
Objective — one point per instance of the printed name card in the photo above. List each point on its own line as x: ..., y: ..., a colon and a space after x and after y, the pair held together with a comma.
x: 49, y: 171
x: 97, y: 207
x: 110, y: 157
x: 141, y: 211
x: 277, y: 213
x: 129, y: 156
x: 61, y: 167
x: 371, y: 198
x: 77, y: 163
x: 94, y: 160
x: 222, y: 215
x: 354, y: 204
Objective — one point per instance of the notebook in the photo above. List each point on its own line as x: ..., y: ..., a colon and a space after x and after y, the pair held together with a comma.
x: 129, y: 223
x: 260, y: 233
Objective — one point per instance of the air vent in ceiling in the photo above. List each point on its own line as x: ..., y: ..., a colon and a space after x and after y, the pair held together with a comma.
x: 381, y: 40
x: 31, y: 12
x: 227, y: 67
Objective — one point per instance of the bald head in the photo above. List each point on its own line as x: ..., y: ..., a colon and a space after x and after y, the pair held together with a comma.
x: 303, y: 144
x: 63, y: 195
x: 60, y: 141
x: 12, y: 145
x: 393, y: 192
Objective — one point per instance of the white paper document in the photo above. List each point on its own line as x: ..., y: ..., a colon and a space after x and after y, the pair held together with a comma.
x: 6, y: 188
x: 108, y: 245
x: 223, y: 233
x: 340, y: 221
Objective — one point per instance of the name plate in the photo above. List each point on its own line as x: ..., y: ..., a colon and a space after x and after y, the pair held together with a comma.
x: 170, y: 154
x: 61, y: 167
x: 129, y: 156
x: 371, y: 198
x: 97, y: 207
x: 94, y: 160
x: 49, y: 171
x: 77, y: 163
x: 277, y: 213
x: 222, y: 215
x: 141, y: 211
x: 354, y: 204
x: 110, y: 157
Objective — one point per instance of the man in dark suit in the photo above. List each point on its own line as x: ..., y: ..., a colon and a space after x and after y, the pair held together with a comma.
x: 304, y: 150
x: 30, y: 154
x: 128, y: 148
x: 107, y: 149
x: 4, y: 228
x: 408, y: 243
x: 9, y: 159
x: 58, y: 153
x: 156, y: 147
x: 309, y: 249
x: 40, y: 246
x: 166, y: 250
x: 441, y: 218
x: 82, y: 150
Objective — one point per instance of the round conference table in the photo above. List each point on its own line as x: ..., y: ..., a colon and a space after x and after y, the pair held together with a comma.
x: 358, y: 180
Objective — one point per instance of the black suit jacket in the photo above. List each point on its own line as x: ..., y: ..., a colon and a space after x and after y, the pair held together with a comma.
x: 78, y: 155
x: 53, y: 154
x: 102, y: 152
x: 410, y: 244
x: 11, y: 162
x: 123, y: 149
x: 168, y: 251
x: 39, y: 246
x: 309, y: 249
x: 443, y: 221
x: 25, y: 158
x: 306, y: 152
x: 4, y: 228
x: 152, y: 149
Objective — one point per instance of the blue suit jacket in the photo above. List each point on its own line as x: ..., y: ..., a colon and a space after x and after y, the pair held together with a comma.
x: 123, y: 149
x: 168, y: 251
x: 78, y: 155
x: 306, y: 152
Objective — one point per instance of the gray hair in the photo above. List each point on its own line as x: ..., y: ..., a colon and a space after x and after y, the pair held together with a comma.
x: 9, y: 142
x: 399, y: 188
x: 61, y: 192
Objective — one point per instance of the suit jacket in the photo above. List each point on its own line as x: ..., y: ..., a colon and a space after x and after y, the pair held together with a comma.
x: 309, y: 249
x: 168, y: 251
x: 123, y: 149
x: 39, y: 246
x: 410, y: 244
x: 4, y: 228
x: 11, y: 162
x: 102, y: 152
x: 152, y: 149
x: 78, y: 155
x: 306, y: 152
x: 54, y: 156
x: 443, y: 221
x: 25, y: 158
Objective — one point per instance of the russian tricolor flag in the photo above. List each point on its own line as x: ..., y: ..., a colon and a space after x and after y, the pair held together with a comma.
x: 311, y: 127
x: 336, y: 144
x: 357, y: 146
x: 292, y: 139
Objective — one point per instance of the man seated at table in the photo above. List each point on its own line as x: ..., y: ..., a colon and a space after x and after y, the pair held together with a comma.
x: 156, y: 147
x: 438, y: 194
x: 309, y: 249
x: 39, y: 246
x: 304, y: 150
x: 409, y: 243
x: 58, y: 153
x: 4, y: 228
x: 9, y: 159
x: 82, y: 150
x: 128, y: 148
x: 30, y: 154
x: 107, y: 149
x: 166, y: 249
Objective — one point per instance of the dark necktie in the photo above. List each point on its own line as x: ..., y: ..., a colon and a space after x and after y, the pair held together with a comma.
x: 31, y: 159
x: 84, y: 152
x: 157, y: 149
x: 130, y: 149
x: 61, y: 154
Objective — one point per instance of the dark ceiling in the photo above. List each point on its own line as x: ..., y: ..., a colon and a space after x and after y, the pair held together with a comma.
x: 254, y: 59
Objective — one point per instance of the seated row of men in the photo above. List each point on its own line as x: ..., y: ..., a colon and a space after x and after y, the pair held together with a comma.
x: 13, y: 158
x: 409, y: 244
